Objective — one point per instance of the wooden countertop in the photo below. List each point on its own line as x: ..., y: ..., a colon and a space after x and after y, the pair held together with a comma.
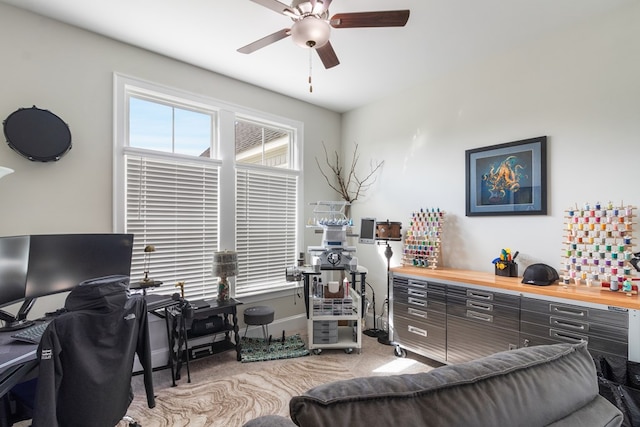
x: 572, y: 292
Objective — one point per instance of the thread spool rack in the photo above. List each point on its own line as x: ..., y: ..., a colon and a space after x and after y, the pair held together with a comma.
x: 423, y: 239
x: 598, y: 246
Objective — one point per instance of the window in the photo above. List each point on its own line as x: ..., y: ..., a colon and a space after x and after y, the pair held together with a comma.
x: 173, y: 205
x: 260, y: 144
x: 188, y: 194
x: 266, y: 206
x: 167, y: 128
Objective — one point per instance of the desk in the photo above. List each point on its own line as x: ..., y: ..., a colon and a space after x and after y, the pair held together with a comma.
x: 179, y: 322
x: 17, y: 360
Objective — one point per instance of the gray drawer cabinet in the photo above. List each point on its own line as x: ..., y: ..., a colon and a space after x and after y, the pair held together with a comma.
x: 480, y: 322
x: 419, y: 316
x: 545, y: 322
x: 457, y: 315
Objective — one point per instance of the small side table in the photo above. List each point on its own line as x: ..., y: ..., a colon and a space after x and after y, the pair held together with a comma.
x: 179, y: 321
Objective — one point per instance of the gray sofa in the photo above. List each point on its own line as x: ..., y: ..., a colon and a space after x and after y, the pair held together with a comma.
x: 551, y: 385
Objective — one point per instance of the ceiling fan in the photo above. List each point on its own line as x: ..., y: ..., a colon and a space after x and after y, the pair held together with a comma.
x: 312, y: 27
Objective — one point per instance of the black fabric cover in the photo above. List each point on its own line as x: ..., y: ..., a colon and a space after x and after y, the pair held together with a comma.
x: 619, y: 383
x: 86, y: 357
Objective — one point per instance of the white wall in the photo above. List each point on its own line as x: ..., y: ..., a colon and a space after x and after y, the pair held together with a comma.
x: 581, y: 88
x: 70, y: 72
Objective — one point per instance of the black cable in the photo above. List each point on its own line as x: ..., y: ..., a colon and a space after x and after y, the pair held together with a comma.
x: 373, y: 332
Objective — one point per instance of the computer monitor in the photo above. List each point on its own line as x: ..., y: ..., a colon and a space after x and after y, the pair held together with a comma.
x: 59, y: 262
x: 367, y: 231
x: 14, y: 257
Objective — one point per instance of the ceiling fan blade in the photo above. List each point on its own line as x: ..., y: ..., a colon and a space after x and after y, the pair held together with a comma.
x: 391, y: 18
x: 265, y: 41
x: 328, y: 55
x: 274, y: 5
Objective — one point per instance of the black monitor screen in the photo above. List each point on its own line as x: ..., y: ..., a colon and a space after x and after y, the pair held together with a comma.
x: 58, y: 262
x: 14, y: 256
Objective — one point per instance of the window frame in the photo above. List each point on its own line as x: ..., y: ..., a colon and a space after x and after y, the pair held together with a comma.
x: 223, y: 155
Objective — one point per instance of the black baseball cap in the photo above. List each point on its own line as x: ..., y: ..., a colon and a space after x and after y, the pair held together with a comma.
x: 540, y: 274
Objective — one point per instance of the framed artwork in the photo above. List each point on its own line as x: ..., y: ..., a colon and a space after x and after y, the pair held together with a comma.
x: 507, y: 179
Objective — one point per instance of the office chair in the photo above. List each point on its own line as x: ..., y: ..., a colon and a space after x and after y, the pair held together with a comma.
x: 86, y: 357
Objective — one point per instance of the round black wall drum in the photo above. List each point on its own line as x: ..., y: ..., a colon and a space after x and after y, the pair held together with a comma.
x: 37, y: 134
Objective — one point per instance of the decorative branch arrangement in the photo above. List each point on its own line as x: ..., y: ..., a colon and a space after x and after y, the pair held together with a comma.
x: 348, y: 184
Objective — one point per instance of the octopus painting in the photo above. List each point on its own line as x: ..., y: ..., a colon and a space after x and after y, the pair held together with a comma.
x: 504, y: 179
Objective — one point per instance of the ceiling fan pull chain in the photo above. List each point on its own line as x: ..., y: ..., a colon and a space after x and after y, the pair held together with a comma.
x: 310, y: 69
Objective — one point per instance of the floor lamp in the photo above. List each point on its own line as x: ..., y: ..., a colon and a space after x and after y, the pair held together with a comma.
x: 383, y: 338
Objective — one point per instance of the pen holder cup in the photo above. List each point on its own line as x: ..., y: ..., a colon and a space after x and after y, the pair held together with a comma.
x: 507, y: 269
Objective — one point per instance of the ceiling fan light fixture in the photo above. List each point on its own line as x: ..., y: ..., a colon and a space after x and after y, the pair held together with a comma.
x: 290, y: 13
x: 311, y: 32
x: 303, y: 6
x: 318, y: 8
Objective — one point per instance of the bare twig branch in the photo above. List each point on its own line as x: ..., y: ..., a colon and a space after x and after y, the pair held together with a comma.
x: 350, y: 187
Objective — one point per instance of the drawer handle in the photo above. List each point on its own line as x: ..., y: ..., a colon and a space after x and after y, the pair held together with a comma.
x: 417, y: 331
x: 417, y: 302
x: 415, y: 293
x: 480, y: 316
x: 567, y: 310
x: 562, y: 323
x: 417, y: 284
x: 479, y: 305
x: 418, y: 313
x: 477, y: 294
x: 573, y: 339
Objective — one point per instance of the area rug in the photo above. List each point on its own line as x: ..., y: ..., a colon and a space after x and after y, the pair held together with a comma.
x: 257, y: 349
x: 234, y: 400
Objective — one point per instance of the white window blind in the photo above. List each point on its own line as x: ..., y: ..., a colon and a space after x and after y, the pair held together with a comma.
x: 173, y: 205
x: 266, y: 229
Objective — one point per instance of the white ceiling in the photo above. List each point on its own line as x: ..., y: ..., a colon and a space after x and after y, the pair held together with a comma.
x: 441, y: 35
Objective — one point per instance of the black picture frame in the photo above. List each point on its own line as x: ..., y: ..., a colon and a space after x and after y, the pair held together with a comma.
x: 507, y: 179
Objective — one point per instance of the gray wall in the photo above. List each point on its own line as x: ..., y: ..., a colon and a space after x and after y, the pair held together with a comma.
x: 70, y: 72
x: 579, y: 87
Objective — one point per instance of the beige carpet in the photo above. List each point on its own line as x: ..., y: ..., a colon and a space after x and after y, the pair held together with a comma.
x: 233, y: 400
x: 225, y: 392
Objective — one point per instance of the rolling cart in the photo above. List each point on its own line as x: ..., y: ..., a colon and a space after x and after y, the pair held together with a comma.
x: 335, y: 323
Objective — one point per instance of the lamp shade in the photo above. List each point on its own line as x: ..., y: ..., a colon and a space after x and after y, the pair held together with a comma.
x: 311, y: 32
x: 5, y: 171
x: 225, y: 264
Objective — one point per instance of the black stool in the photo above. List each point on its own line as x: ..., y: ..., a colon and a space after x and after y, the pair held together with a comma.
x: 259, y: 315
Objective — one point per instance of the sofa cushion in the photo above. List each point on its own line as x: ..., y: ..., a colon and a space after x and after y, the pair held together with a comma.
x: 533, y: 386
x: 269, y: 421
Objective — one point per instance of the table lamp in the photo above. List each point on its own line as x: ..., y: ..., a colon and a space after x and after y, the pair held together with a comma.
x: 225, y: 265
x: 147, y: 260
